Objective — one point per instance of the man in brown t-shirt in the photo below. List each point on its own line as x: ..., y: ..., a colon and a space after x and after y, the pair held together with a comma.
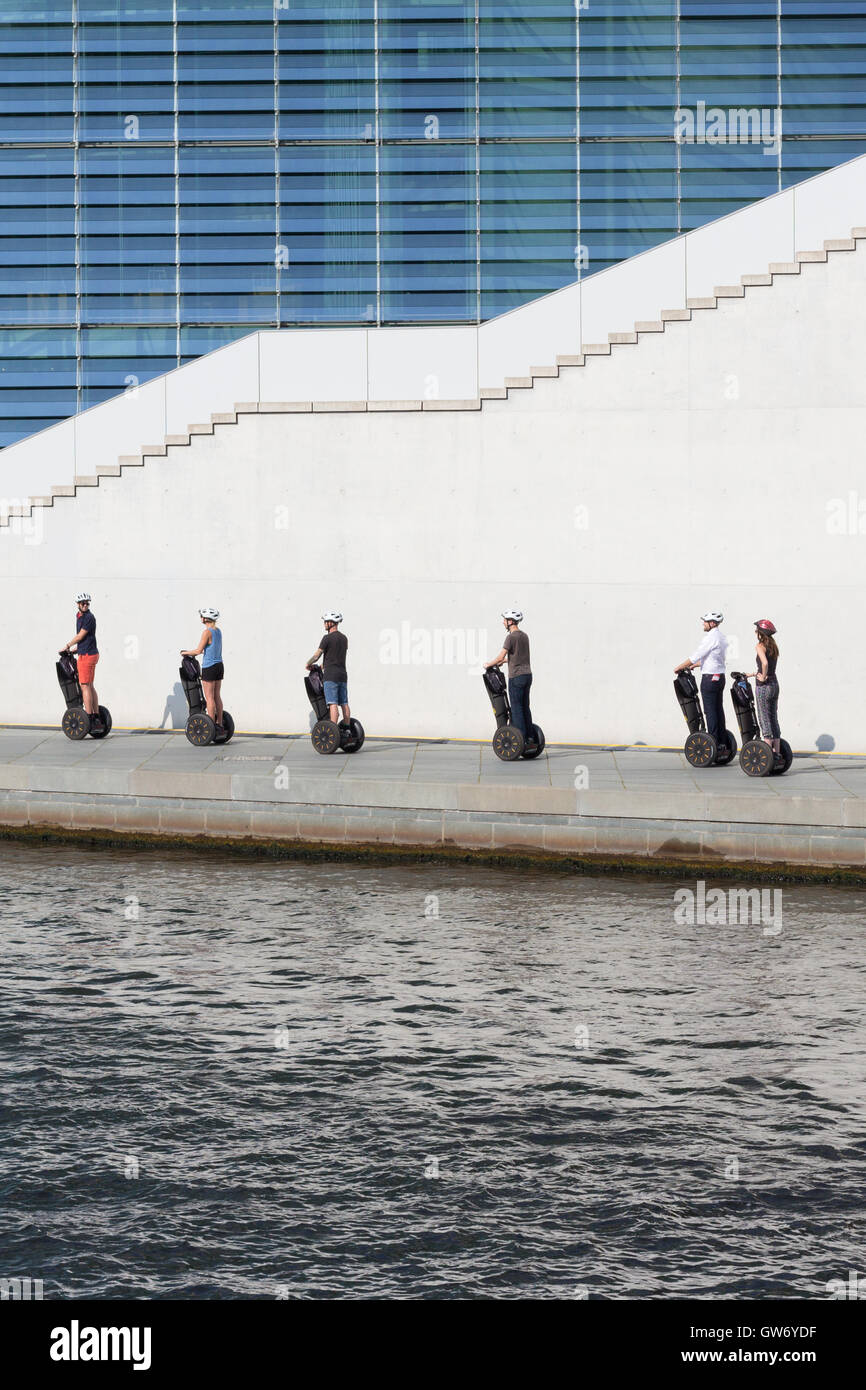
x: 515, y: 650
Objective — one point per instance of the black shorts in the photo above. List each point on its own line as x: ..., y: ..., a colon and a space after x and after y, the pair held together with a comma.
x: 213, y: 673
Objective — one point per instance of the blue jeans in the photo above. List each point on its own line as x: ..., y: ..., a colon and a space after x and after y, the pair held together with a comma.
x: 518, y: 694
x: 336, y: 692
x: 712, y: 690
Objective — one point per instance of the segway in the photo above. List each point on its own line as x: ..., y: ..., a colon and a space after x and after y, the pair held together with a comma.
x: 508, y: 741
x: 200, y: 728
x: 701, y: 748
x: 77, y: 723
x: 757, y: 758
x: 325, y: 735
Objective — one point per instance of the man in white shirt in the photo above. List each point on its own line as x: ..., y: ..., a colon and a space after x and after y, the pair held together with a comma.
x: 710, y: 656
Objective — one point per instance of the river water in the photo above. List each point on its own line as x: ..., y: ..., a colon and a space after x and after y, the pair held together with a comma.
x: 255, y: 1079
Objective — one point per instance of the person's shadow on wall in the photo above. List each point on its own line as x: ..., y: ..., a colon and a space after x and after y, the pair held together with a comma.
x: 175, y: 708
x: 825, y: 743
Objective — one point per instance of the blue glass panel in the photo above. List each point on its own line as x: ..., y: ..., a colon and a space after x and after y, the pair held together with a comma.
x: 427, y: 71
x: 628, y: 199
x: 427, y: 232
x: 527, y: 73
x: 328, y: 233
x: 528, y: 238
x: 327, y: 74
x: 716, y: 178
x: 126, y: 79
x: 627, y: 70
x: 123, y: 343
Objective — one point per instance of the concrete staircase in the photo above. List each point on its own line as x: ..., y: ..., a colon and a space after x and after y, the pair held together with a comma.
x: 563, y: 363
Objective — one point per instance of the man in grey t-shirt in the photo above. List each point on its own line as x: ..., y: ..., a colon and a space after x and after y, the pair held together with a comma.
x: 515, y: 650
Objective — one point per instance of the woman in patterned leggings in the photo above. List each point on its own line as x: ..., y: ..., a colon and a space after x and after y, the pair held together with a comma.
x: 766, y: 686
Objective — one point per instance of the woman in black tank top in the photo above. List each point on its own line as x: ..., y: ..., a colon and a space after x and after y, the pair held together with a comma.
x: 766, y: 684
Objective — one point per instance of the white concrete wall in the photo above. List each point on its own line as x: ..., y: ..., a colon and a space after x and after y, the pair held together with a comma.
x: 704, y: 467
x: 445, y: 363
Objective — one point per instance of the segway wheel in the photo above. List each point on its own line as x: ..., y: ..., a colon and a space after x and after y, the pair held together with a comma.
x: 756, y: 758
x: 787, y: 758
x: 104, y: 726
x: 200, y: 729
x: 352, y: 736
x: 508, y: 743
x: 727, y: 751
x: 536, y: 747
x: 700, y: 749
x: 228, y: 725
x: 76, y: 724
x: 325, y: 736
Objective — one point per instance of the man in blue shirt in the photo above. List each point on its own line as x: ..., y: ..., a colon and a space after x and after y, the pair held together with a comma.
x: 87, y: 652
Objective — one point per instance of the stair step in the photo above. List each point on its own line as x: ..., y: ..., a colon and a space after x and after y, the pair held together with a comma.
x: 42, y: 501
x: 648, y: 326
x: 452, y: 405
x: 494, y: 393
x: 784, y: 268
x: 709, y: 302
x: 246, y: 408
x: 396, y: 405
x: 858, y: 233
x: 518, y: 383
x: 148, y: 451
x: 285, y: 407
x: 199, y: 429
x: 596, y: 349
x: 177, y: 439
x: 225, y: 417
x: 810, y: 257
x: 338, y: 407
x: 543, y: 371
x: 842, y: 244
x: 90, y: 480
x: 571, y: 360
x: 134, y: 460
x: 617, y: 339
x: 108, y: 470
x: 676, y: 315
x: 749, y: 280
x: 18, y: 511
x: 65, y: 490
x: 729, y: 291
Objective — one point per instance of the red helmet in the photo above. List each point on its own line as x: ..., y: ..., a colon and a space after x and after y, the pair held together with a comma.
x: 764, y: 625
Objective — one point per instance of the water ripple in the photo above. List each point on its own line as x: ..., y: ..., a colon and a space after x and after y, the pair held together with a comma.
x: 262, y: 1080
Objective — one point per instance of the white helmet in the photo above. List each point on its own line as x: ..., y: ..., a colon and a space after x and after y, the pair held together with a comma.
x: 211, y: 613
x: 513, y: 615
x: 332, y: 617
x: 712, y: 617
x: 82, y: 598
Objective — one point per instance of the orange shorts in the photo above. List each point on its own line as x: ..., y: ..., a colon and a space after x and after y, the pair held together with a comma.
x: 86, y: 668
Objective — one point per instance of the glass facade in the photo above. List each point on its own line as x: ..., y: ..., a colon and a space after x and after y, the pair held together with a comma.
x: 178, y: 173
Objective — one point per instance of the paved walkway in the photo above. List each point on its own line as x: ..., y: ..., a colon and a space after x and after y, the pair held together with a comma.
x: 624, y: 801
